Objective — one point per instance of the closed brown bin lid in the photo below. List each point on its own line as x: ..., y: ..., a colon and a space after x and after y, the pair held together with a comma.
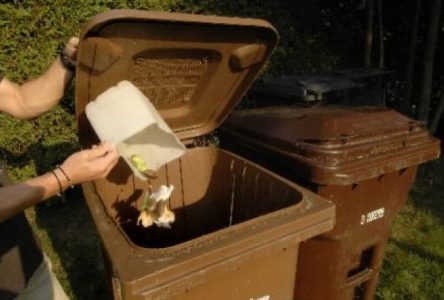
x: 336, y: 145
x: 194, y: 69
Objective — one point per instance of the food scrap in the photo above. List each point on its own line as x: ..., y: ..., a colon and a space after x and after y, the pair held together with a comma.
x: 155, y: 208
x: 145, y: 218
x: 139, y: 163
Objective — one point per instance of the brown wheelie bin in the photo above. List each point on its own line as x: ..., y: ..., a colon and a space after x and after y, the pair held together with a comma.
x: 238, y: 226
x: 364, y: 159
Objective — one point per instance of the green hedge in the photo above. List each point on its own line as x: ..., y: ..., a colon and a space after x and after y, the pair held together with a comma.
x: 31, y: 32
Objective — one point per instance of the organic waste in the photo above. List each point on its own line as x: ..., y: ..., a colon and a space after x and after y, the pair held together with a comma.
x: 155, y: 208
x: 139, y: 163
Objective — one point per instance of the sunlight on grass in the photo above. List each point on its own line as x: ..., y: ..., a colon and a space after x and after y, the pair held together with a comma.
x: 414, y: 263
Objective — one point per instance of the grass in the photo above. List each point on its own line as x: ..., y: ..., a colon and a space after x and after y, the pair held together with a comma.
x: 414, y: 262
x: 413, y: 266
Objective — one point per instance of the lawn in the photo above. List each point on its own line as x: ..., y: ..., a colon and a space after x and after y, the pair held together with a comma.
x: 414, y: 262
x: 413, y: 266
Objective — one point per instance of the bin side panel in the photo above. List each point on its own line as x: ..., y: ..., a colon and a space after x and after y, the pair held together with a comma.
x: 349, y: 257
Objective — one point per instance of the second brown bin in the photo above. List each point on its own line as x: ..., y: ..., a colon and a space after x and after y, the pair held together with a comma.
x: 363, y: 159
x: 238, y: 226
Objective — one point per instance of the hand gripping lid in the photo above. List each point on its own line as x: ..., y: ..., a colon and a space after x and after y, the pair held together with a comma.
x: 193, y: 68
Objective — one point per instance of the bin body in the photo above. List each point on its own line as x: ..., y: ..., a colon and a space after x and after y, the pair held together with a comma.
x: 362, y: 159
x: 236, y: 233
x: 237, y: 225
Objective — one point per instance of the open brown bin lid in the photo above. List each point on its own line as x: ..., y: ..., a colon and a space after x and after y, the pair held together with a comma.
x: 335, y: 145
x: 193, y: 68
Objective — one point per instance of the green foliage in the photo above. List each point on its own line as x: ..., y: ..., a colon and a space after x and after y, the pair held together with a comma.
x: 34, y: 147
x: 32, y: 30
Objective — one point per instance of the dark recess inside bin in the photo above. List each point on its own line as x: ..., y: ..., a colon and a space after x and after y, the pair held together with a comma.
x: 229, y: 191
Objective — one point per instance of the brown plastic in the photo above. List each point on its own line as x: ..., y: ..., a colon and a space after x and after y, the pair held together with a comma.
x: 193, y: 68
x: 236, y: 233
x: 334, y: 145
x: 238, y: 226
x: 362, y: 159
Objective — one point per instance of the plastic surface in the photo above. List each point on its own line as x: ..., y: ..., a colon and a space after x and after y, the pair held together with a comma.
x: 362, y: 159
x: 134, y: 126
x: 334, y: 145
x: 194, y: 69
x: 238, y: 226
x: 236, y: 234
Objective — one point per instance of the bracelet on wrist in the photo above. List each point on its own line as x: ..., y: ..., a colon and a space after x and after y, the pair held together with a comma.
x: 66, y: 176
x: 66, y: 61
x: 58, y: 182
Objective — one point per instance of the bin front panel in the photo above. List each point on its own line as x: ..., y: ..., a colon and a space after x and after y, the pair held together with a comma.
x: 346, y: 271
x: 267, y: 272
x: 365, y: 212
x: 367, y: 208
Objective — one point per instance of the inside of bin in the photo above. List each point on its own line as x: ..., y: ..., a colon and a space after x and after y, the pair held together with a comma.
x: 213, y: 189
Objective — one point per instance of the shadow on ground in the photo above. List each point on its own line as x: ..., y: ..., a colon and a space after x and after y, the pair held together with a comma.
x: 427, y: 192
x: 418, y: 251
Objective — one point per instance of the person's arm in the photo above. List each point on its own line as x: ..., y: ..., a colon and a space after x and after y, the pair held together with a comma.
x: 37, y: 96
x: 80, y: 167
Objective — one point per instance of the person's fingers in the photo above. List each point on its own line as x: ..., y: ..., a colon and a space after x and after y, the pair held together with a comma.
x: 71, y: 48
x: 73, y: 42
x: 100, y: 150
x: 105, y: 163
x: 110, y: 155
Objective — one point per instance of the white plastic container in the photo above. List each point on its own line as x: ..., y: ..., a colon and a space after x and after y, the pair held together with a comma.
x: 123, y: 116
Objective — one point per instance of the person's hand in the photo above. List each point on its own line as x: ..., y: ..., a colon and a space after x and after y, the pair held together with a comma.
x: 70, y: 49
x: 90, y: 164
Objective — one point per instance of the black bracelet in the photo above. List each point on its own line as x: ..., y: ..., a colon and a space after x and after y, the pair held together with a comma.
x: 58, y: 181
x: 66, y: 62
x: 66, y: 176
